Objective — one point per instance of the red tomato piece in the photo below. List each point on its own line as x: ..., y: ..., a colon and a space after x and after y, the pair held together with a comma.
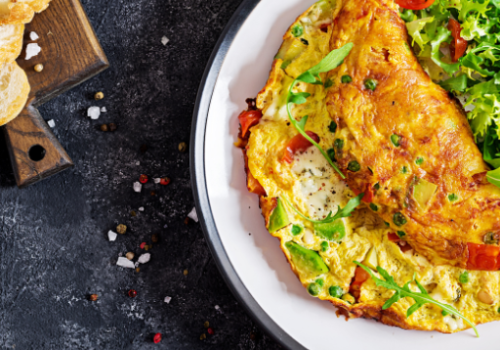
x: 458, y: 45
x: 483, y: 257
x: 415, y: 4
x: 298, y: 143
x: 368, y: 197
x: 360, y: 277
x: 248, y: 119
x: 393, y: 237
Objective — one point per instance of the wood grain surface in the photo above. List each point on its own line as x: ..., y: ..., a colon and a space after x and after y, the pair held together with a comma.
x: 70, y: 55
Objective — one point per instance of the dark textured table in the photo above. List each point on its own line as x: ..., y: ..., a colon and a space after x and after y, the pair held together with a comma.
x: 53, y: 235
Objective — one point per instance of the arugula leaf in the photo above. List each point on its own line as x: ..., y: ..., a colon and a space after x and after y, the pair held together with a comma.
x: 494, y: 177
x: 331, y: 61
x: 341, y: 213
x: 421, y: 298
x: 458, y: 84
x: 442, y: 35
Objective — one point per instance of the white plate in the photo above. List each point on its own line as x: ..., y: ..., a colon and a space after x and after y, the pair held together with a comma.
x: 253, y: 265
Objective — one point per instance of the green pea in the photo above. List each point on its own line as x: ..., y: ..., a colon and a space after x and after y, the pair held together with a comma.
x: 297, y: 30
x: 401, y: 234
x: 296, y: 230
x: 332, y: 127
x: 331, y: 153
x: 346, y: 79
x: 373, y: 207
x: 336, y: 291
x: 419, y: 161
x: 324, y: 246
x: 320, y: 282
x: 404, y: 170
x: 399, y: 219
x: 464, y: 277
x: 353, y: 166
x: 338, y: 144
x: 395, y: 139
x: 313, y: 289
x: 452, y: 197
x: 371, y: 84
x: 328, y: 83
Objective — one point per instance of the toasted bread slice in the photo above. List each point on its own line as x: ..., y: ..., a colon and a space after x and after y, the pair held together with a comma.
x: 14, y: 91
x: 11, y: 42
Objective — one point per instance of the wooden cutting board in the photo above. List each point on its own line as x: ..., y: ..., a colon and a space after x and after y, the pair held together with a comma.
x: 70, y: 55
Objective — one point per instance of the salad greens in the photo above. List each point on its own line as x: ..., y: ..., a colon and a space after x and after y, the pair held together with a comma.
x: 421, y: 298
x: 476, y: 75
x: 331, y: 61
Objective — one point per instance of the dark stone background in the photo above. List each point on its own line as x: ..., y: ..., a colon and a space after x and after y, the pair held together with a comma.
x: 53, y: 235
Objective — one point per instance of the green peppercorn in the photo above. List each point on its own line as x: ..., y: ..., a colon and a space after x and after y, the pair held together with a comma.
x: 353, y: 166
x: 313, y: 289
x: 371, y: 84
x: 399, y: 219
x: 395, y: 139
x: 335, y: 291
x: 464, y: 277
x: 338, y: 144
x: 346, y: 79
x: 331, y: 154
x: 297, y: 30
x: 332, y: 127
x: 296, y: 230
x: 373, y: 207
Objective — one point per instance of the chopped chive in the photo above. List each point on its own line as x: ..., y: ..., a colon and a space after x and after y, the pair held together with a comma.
x: 338, y: 144
x: 401, y: 234
x: 395, y: 139
x: 373, y: 207
x: 371, y: 84
x: 386, y: 223
x: 353, y: 166
x: 331, y: 154
x: 346, y: 79
x: 404, y: 170
x: 419, y: 161
x: 332, y: 127
x: 376, y: 186
x: 452, y: 197
x: 399, y: 219
x: 304, y: 41
x: 328, y: 83
x: 297, y: 30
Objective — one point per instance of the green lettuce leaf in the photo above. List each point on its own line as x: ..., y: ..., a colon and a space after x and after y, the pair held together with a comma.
x: 414, y: 29
x: 442, y: 35
x: 457, y: 84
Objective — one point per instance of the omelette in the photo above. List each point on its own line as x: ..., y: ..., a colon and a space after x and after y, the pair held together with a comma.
x: 428, y: 219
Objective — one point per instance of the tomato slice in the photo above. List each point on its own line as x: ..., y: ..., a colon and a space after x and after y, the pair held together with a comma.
x: 393, y: 237
x: 360, y: 277
x: 298, y: 143
x: 248, y: 119
x: 368, y: 197
x: 483, y: 257
x: 458, y: 45
x: 415, y: 4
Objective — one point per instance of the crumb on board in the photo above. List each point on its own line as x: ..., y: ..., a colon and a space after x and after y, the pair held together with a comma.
x: 34, y: 36
x: 94, y: 112
x: 165, y: 40
x: 51, y: 123
x: 112, y: 236
x: 32, y: 50
x: 124, y: 262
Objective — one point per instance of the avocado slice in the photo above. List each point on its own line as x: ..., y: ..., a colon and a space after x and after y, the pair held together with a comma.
x: 306, y: 261
x: 279, y: 217
x: 423, y: 192
x: 333, y: 231
x: 371, y: 259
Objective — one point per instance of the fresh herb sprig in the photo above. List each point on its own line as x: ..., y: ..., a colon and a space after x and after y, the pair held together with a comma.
x: 331, y: 61
x: 341, y: 213
x: 421, y: 298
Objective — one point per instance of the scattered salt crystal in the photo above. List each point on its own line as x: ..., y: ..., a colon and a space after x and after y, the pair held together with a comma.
x: 192, y: 215
x: 217, y: 307
x: 165, y: 226
x: 93, y: 112
x: 51, y: 123
x: 144, y: 258
x: 32, y: 50
x: 103, y: 109
x: 124, y: 262
x: 112, y: 236
x: 34, y: 36
x: 141, y: 208
x: 136, y: 264
x: 167, y: 300
x: 137, y: 186
x: 164, y: 40
x: 138, y: 163
x: 157, y: 180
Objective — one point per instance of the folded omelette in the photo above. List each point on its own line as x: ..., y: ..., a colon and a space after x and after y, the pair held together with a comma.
x: 429, y: 220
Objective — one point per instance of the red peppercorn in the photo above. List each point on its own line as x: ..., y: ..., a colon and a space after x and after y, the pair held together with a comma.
x: 157, y: 338
x: 132, y: 293
x: 210, y: 331
x: 164, y: 181
x: 143, y: 179
x: 143, y: 244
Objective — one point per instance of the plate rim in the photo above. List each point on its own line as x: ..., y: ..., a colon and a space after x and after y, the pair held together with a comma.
x: 199, y: 185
